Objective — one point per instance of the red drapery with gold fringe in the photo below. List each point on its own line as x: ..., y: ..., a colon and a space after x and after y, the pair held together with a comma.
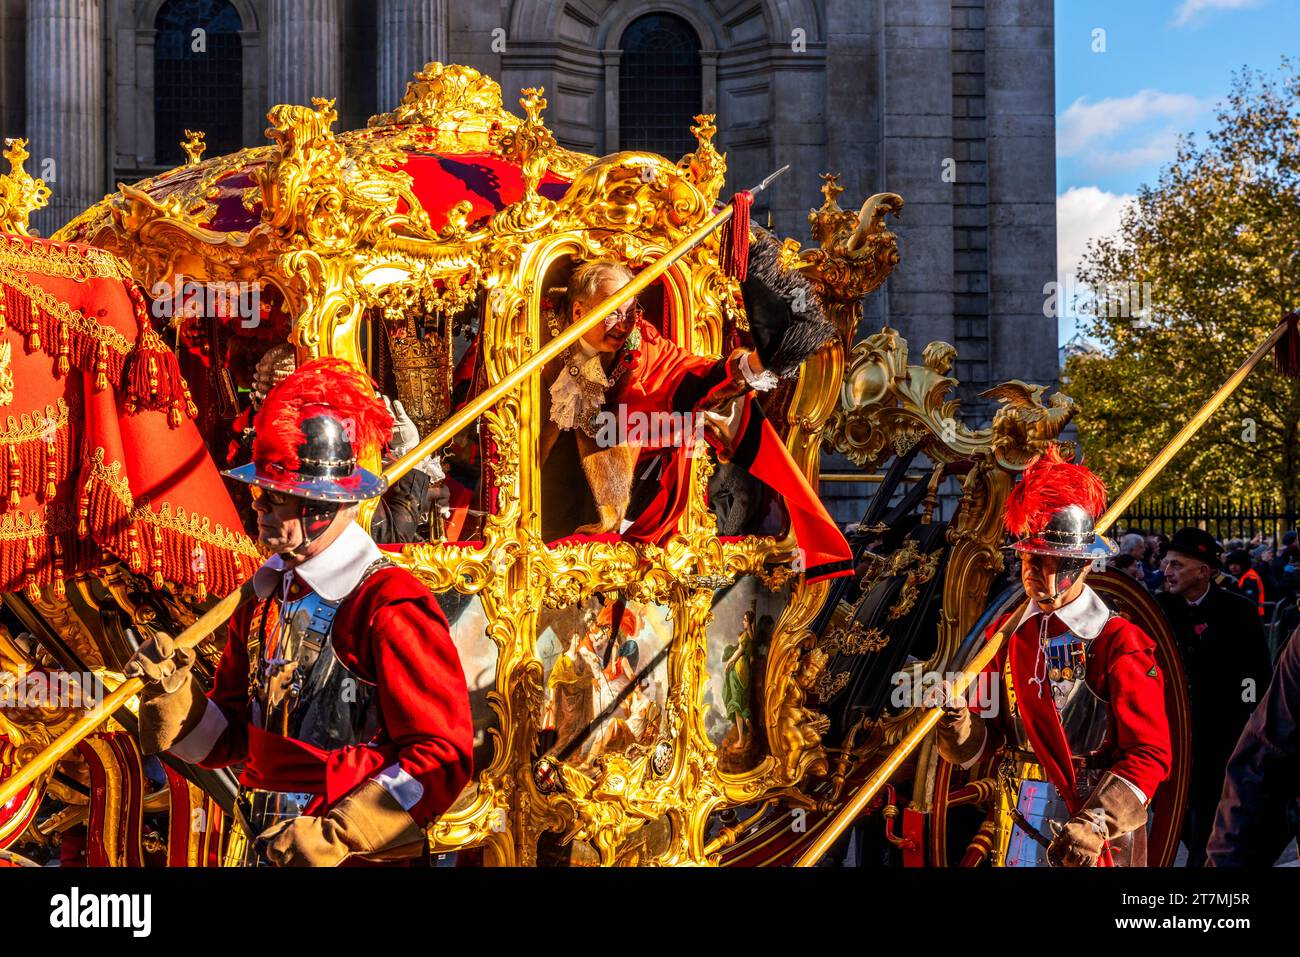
x: 99, y: 452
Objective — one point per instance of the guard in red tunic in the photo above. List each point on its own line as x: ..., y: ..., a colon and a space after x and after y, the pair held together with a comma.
x: 339, y: 691
x: 1073, y: 710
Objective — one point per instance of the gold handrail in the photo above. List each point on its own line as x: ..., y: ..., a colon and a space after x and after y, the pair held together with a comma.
x: 846, y: 815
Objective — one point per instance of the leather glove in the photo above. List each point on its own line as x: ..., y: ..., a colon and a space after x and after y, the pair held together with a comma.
x: 1112, y: 810
x: 961, y: 733
x: 172, y: 703
x: 367, y: 821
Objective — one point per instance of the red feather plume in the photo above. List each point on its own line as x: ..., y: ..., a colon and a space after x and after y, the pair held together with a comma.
x: 1048, y: 486
x: 327, y: 385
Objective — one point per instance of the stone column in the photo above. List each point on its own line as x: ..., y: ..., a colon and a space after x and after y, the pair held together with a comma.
x: 1021, y: 74
x: 411, y: 34
x: 303, y: 52
x: 65, y: 106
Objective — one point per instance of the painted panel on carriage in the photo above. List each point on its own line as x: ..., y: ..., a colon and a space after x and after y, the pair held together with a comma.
x: 478, y: 659
x: 744, y: 620
x: 606, y: 684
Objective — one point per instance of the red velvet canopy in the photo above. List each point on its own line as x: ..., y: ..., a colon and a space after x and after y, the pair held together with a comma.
x: 99, y: 451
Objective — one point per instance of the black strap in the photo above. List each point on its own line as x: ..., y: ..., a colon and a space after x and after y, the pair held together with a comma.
x: 1028, y: 828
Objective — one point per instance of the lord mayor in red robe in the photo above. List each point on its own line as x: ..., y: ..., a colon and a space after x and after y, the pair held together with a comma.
x: 625, y: 410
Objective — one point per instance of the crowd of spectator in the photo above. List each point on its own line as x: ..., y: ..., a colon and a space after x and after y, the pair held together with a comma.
x: 1233, y: 608
x: 1267, y: 572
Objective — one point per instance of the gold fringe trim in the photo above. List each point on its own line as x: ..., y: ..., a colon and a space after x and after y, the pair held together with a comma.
x: 61, y: 260
x: 37, y: 424
x: 66, y: 316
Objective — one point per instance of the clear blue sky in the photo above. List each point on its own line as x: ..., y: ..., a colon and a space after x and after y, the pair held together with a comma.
x: 1165, y: 65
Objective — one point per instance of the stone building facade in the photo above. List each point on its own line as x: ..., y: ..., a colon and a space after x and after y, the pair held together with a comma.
x: 948, y: 102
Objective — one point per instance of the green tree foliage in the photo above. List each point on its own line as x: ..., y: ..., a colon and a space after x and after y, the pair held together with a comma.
x: 1214, y: 250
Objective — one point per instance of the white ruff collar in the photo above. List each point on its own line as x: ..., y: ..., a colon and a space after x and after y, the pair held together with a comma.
x: 1086, y: 616
x: 333, y: 573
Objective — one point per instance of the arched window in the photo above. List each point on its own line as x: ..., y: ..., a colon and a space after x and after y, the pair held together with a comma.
x: 198, y: 77
x: 659, y: 85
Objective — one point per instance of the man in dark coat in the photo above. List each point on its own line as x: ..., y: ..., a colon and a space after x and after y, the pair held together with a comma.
x: 1259, y: 813
x: 1226, y: 661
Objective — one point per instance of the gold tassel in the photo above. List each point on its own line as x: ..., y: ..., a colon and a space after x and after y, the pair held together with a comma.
x: 201, y: 564
x: 60, y: 589
x: 29, y: 572
x: 157, y: 557
x: 51, y: 466
x: 63, y: 364
x: 133, y: 549
x: 101, y: 366
x: 174, y: 415
x: 153, y: 377
x: 33, y: 332
x: 83, y: 508
x: 15, y: 477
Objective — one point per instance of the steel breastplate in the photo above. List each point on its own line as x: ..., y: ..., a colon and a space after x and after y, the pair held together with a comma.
x: 1085, y: 717
x: 299, y: 688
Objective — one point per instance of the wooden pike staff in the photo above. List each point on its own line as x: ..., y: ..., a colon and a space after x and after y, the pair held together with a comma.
x: 1286, y: 338
x: 220, y: 612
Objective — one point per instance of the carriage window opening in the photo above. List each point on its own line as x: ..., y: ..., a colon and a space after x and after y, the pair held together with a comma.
x: 659, y: 85
x: 198, y: 78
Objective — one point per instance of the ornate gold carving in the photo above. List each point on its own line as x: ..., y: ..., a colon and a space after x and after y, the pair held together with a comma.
x: 316, y: 196
x: 854, y: 640
x: 527, y: 146
x: 21, y: 194
x: 448, y: 93
x: 885, y: 402
x: 194, y: 144
x: 856, y: 253
x: 706, y: 167
x: 1024, y: 428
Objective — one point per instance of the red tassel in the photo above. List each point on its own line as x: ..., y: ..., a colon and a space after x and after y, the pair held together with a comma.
x: 154, y: 379
x: 735, y: 237
x: 133, y: 557
x: 1286, y: 354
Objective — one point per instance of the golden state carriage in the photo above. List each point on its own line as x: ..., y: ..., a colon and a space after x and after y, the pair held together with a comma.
x: 426, y: 248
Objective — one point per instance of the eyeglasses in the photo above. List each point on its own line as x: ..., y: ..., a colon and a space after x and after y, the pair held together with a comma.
x: 272, y: 497
x: 631, y: 312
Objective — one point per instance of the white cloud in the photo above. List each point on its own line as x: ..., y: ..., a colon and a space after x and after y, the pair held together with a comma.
x: 1189, y: 10
x: 1156, y: 151
x: 1083, y: 213
x: 1086, y: 125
